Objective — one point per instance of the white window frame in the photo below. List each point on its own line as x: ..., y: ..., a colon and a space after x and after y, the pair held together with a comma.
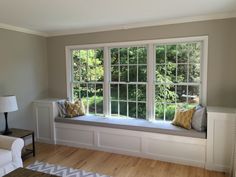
x: 150, y: 97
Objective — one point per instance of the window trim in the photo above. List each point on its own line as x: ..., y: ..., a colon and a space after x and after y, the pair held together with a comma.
x: 150, y: 68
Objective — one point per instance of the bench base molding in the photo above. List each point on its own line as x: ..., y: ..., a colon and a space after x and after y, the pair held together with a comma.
x: 169, y: 148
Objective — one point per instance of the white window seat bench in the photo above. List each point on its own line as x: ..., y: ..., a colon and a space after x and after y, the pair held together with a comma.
x: 140, y: 138
x: 162, y: 127
x: 154, y: 140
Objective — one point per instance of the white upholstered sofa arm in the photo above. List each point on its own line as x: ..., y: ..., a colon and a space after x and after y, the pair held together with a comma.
x: 14, y: 145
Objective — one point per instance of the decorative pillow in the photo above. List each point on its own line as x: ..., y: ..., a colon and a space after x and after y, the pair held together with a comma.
x: 183, y: 118
x: 61, y: 108
x: 82, y: 108
x: 74, y: 109
x: 199, y: 120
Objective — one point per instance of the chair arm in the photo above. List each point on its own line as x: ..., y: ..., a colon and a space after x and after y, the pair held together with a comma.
x: 10, y: 143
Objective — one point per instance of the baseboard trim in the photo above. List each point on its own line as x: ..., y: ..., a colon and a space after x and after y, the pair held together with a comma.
x: 218, y: 168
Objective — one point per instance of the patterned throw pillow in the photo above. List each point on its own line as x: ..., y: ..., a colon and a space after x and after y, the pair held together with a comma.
x: 61, y: 108
x: 183, y: 118
x: 74, y: 109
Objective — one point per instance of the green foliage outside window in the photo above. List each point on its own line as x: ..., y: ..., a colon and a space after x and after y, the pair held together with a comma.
x: 177, y: 67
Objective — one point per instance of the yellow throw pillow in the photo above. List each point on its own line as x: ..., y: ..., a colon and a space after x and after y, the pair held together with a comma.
x: 74, y: 109
x: 183, y: 118
x: 82, y: 109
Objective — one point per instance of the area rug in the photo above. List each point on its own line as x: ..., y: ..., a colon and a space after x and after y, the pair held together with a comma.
x: 61, y: 171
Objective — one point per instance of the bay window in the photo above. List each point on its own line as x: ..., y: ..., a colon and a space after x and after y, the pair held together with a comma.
x: 142, y: 79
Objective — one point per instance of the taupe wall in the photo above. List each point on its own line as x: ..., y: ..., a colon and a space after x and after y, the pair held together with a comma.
x: 31, y: 66
x: 23, y: 72
x: 221, y: 62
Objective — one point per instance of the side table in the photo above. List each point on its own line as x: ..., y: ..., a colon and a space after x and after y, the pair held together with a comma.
x: 21, y: 133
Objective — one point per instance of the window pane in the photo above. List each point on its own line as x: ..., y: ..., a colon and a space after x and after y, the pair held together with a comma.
x: 99, y: 105
x: 181, y: 94
x: 99, y: 69
x: 83, y: 73
x: 194, y: 73
x: 123, y: 73
x: 88, y: 65
x: 76, y: 91
x: 141, y: 93
x: 142, y: 73
x: 114, y: 56
x: 160, y: 54
x: 170, y: 72
x: 76, y: 65
x: 195, y: 53
x: 99, y: 90
x: 177, y: 66
x: 123, y: 92
x: 160, y: 93
x: 193, y: 94
x: 131, y: 68
x: 132, y: 92
x: 91, y: 73
x: 170, y: 111
x: 182, y: 72
x: 132, y: 109
x: 83, y: 55
x: 83, y: 90
x: 141, y: 110
x: 133, y: 73
x: 160, y: 73
x: 159, y: 111
x: 99, y: 98
x: 123, y: 56
x: 91, y: 54
x: 123, y: 109
x: 115, y: 73
x: 171, y: 53
x: 170, y: 94
x: 91, y: 98
x: 114, y: 108
x: 114, y: 91
x: 142, y: 55
x: 133, y: 55
x: 182, y: 53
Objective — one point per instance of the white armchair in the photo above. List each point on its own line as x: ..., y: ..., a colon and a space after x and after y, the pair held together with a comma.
x: 10, y: 154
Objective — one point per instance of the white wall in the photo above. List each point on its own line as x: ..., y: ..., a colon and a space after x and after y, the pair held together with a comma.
x: 23, y: 72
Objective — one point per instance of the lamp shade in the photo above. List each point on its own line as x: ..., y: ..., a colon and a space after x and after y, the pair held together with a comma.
x: 8, y: 103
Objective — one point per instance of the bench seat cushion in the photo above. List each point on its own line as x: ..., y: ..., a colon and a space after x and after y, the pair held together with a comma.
x: 163, y: 127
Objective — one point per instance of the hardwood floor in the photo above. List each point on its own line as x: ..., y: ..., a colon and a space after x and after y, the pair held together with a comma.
x: 113, y: 164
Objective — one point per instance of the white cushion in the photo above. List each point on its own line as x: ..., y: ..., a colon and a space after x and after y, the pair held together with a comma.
x: 6, y: 157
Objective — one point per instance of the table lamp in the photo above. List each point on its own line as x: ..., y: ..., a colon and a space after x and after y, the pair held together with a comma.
x: 7, y: 104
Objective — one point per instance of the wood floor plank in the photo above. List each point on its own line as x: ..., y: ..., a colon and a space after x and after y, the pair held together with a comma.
x: 114, y: 164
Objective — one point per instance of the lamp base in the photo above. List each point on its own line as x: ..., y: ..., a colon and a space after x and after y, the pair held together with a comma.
x: 8, y: 132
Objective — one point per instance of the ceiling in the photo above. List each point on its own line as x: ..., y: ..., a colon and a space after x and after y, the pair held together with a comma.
x: 57, y: 17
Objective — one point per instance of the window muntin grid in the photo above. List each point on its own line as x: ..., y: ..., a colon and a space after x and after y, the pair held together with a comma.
x: 88, y: 77
x: 177, y: 77
x: 128, y: 79
x: 151, y: 74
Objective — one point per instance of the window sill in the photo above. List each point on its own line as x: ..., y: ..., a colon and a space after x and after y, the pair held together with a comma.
x: 162, y: 127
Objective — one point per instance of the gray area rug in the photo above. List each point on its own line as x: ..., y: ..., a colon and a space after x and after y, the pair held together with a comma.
x: 61, y: 171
